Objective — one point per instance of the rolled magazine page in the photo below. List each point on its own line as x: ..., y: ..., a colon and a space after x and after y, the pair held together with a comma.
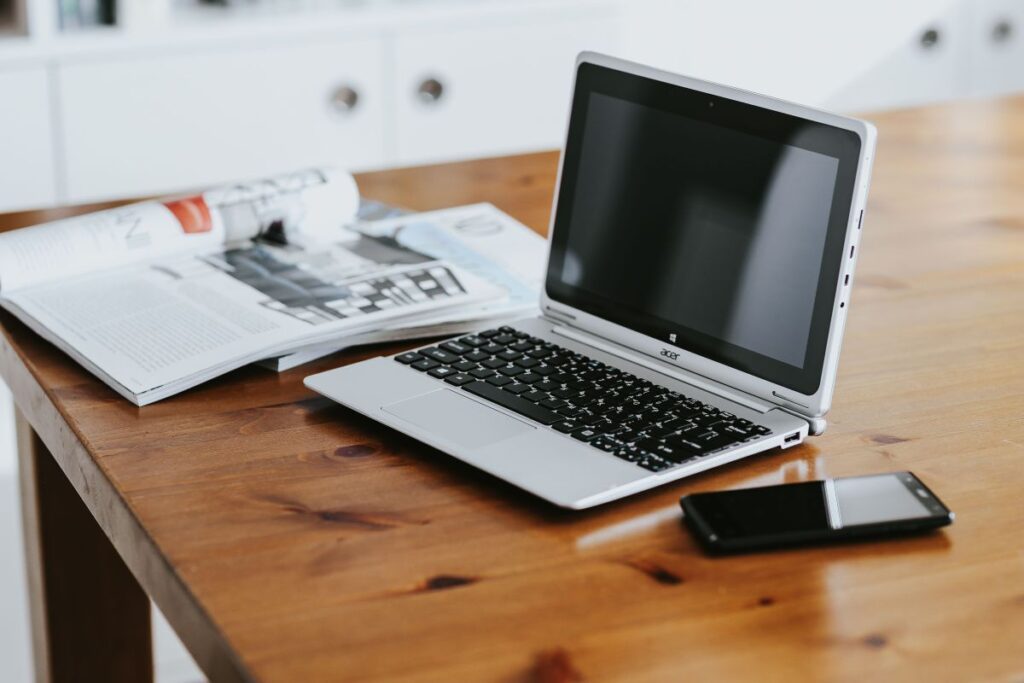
x: 305, y: 207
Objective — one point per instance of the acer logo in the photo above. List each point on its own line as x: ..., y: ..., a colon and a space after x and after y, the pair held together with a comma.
x: 671, y: 355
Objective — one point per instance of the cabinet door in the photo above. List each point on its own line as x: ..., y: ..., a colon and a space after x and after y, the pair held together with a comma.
x: 807, y: 51
x: 27, y: 179
x: 161, y: 123
x: 485, y: 90
x: 996, y: 46
x: 929, y: 65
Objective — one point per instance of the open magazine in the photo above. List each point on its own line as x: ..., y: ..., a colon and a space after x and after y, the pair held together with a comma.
x: 155, y: 298
x: 477, y: 238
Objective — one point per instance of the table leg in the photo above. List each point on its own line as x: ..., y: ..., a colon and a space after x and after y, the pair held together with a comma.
x: 90, y: 618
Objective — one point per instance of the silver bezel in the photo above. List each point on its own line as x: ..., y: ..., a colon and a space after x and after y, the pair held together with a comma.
x: 811, y: 406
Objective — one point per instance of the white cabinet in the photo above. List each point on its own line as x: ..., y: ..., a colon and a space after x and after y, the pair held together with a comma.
x: 165, y: 122
x: 375, y: 84
x: 996, y: 32
x: 484, y: 90
x: 27, y: 177
x: 854, y: 54
x: 930, y: 64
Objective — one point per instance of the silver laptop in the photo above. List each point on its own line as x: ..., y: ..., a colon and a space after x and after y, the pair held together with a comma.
x: 701, y: 252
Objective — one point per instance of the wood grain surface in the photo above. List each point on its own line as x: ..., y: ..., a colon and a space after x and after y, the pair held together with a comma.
x: 288, y: 539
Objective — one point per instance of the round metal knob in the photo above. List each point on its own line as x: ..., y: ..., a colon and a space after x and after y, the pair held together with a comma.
x: 430, y: 91
x: 1002, y: 31
x: 344, y: 99
x: 930, y: 38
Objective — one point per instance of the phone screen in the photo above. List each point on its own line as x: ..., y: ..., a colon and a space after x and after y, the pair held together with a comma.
x: 816, y: 509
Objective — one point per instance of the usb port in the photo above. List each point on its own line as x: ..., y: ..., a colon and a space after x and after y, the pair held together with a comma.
x: 791, y: 438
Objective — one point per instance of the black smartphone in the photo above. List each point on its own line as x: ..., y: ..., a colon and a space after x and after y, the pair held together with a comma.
x: 813, y: 512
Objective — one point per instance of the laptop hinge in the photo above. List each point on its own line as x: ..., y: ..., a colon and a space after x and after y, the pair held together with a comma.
x: 679, y: 374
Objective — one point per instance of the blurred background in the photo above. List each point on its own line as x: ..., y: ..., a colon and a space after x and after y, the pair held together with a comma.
x: 104, y: 99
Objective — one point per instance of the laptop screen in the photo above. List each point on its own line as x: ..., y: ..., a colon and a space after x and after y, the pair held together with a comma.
x: 711, y: 224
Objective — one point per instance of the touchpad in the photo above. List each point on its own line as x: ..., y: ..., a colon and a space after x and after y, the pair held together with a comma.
x: 457, y: 418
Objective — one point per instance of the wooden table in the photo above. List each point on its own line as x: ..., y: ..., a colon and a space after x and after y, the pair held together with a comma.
x: 287, y: 539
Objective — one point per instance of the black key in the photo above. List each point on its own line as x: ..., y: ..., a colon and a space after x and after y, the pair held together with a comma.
x: 535, y: 396
x: 482, y: 373
x: 521, y: 335
x: 492, y: 349
x: 739, y: 431
x: 647, y: 444
x: 604, y: 444
x: 527, y: 362
x: 552, y: 403
x: 504, y: 338
x: 472, y: 340
x: 544, y: 370
x: 487, y: 334
x: 547, y: 385
x: 715, y: 442
x: 529, y: 378
x: 684, y: 447
x: 493, y: 363
x: 689, y: 429
x: 459, y: 379
x: 667, y: 452
x: 566, y: 426
x: 512, y: 402
x: 561, y: 393
x: 441, y: 372
x: 521, y: 346
x: 584, y: 434
x: 408, y: 357
x: 511, y: 371
x: 440, y: 355
x: 476, y: 355
x: 507, y: 330
x: 456, y: 347
x: 539, y: 353
x: 516, y: 388
x: 425, y: 364
x: 629, y: 453
x: 499, y: 380
x: 626, y: 435
x: 464, y: 366
x: 658, y: 431
x: 509, y: 354
x: 653, y: 463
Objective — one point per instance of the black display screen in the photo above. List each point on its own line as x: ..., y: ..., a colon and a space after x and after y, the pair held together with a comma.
x: 707, y: 223
x: 815, y: 506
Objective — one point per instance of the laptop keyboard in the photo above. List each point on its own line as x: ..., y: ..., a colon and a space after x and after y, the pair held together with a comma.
x: 610, y: 409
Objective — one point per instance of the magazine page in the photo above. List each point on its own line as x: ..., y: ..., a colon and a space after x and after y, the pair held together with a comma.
x: 147, y: 326
x: 99, y: 241
x: 303, y: 207
x: 477, y: 238
x: 481, y: 239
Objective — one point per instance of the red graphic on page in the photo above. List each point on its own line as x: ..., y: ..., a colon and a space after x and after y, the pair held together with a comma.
x: 192, y: 213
